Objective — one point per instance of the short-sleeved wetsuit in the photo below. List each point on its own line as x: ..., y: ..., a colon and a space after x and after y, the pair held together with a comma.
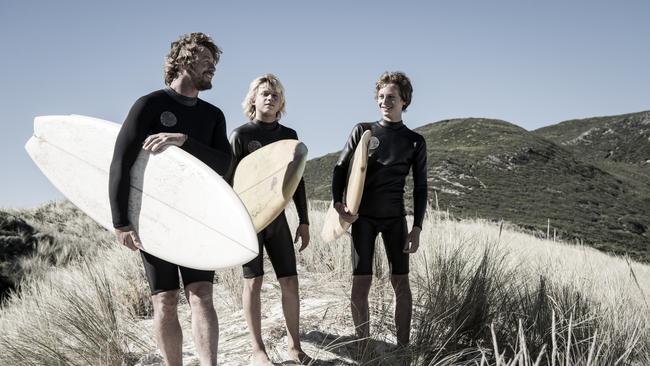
x: 167, y: 111
x: 393, y: 150
x: 276, y: 237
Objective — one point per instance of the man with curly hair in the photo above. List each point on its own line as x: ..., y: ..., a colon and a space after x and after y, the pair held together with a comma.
x: 174, y: 116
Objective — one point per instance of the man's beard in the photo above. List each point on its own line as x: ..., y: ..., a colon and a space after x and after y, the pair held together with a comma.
x: 200, y: 82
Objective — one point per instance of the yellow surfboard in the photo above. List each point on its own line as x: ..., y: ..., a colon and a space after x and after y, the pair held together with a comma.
x: 334, y: 226
x: 266, y: 179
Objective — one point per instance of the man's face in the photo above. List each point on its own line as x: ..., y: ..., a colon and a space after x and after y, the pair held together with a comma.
x: 267, y: 101
x: 390, y: 102
x: 202, y: 70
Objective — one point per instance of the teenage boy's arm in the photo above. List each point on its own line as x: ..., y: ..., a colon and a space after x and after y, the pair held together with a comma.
x: 419, y: 195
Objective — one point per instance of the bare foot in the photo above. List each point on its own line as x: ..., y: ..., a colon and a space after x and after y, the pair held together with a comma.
x: 299, y: 355
x: 260, y: 358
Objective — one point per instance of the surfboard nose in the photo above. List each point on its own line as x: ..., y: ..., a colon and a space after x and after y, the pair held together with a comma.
x: 30, y: 146
x: 42, y: 122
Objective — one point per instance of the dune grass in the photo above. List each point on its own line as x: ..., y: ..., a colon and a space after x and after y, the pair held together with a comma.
x: 85, y: 314
x: 484, y: 294
x: 33, y: 241
x: 487, y: 291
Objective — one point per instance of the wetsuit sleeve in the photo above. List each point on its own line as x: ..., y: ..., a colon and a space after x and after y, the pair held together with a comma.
x: 300, y: 196
x: 419, y: 182
x: 300, y: 200
x: 127, y: 147
x: 237, y: 148
x: 340, y: 175
x: 217, y: 155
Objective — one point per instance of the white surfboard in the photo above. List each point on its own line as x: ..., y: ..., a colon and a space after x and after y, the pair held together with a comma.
x: 184, y: 212
x: 267, y: 178
x: 333, y: 225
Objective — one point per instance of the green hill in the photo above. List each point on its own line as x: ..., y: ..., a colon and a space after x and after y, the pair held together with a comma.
x: 624, y: 138
x: 617, y: 144
x: 497, y: 170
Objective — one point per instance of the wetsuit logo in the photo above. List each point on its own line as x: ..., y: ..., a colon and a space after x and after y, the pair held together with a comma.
x: 373, y: 144
x: 254, y: 145
x: 168, y: 119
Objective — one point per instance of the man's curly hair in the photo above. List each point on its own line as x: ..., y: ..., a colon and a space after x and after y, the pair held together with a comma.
x: 400, y: 80
x: 185, y: 50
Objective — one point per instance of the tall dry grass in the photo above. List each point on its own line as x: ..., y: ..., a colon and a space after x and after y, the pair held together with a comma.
x: 484, y: 294
x: 486, y: 291
x: 58, y: 234
x: 85, y: 314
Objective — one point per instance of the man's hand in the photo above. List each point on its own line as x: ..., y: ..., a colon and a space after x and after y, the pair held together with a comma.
x: 302, y: 232
x: 128, y: 237
x: 413, y: 239
x: 344, y: 213
x: 160, y: 141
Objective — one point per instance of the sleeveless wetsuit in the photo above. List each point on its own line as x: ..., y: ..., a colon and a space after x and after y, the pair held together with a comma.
x: 393, y: 150
x: 276, y: 237
x: 167, y: 111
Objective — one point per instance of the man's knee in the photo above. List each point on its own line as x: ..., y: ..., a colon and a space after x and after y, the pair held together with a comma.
x: 165, y: 303
x: 199, y: 294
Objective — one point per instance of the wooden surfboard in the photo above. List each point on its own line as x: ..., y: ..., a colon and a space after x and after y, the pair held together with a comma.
x: 333, y: 225
x: 184, y: 212
x: 266, y: 179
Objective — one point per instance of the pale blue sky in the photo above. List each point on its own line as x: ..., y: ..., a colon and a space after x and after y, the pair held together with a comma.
x: 532, y: 63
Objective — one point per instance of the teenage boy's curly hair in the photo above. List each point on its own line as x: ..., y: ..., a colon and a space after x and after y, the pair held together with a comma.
x: 185, y: 50
x: 400, y: 80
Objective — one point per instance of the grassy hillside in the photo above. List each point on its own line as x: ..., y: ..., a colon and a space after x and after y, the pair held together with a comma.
x: 496, y: 170
x: 33, y: 241
x: 624, y: 138
x: 619, y: 145
x: 484, y: 294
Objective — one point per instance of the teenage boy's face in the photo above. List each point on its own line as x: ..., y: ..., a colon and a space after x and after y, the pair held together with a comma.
x: 390, y: 102
x: 202, y: 70
x: 267, y: 101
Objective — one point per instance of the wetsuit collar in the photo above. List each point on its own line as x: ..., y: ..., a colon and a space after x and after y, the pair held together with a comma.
x: 180, y: 98
x: 391, y: 125
x: 265, y: 125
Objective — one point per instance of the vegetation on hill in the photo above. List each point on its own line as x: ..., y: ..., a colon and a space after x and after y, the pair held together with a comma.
x: 619, y: 145
x: 624, y: 138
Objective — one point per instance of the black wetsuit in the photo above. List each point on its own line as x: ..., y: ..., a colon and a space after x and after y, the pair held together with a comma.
x: 167, y: 111
x: 393, y: 150
x: 276, y: 237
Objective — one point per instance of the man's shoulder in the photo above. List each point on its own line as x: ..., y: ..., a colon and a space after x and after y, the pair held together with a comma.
x: 210, y: 107
x: 154, y: 96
